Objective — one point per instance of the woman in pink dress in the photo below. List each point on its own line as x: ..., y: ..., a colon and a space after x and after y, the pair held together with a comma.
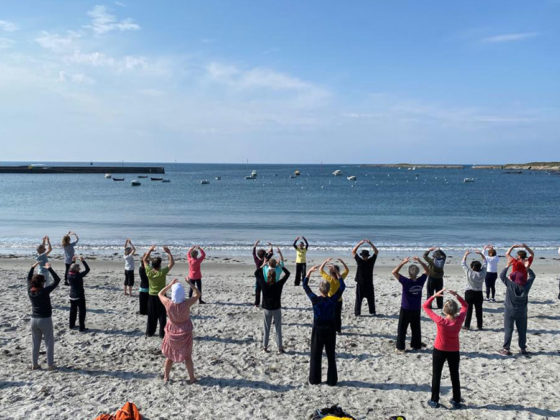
x: 178, y: 339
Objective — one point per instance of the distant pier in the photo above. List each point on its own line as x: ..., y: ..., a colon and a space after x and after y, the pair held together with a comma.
x: 56, y: 169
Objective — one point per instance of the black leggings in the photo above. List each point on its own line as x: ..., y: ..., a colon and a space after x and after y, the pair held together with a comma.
x: 323, y: 336
x: 360, y: 296
x: 143, y: 298
x: 407, y: 317
x: 129, y: 278
x: 434, y: 286
x: 474, y: 297
x: 490, y: 281
x: 300, y: 273
x: 156, y: 312
x: 438, y: 359
x: 75, y: 306
x: 338, y: 316
x: 257, y: 292
x: 198, y: 284
x: 66, y: 273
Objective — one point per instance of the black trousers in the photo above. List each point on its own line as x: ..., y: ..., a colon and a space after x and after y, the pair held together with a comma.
x: 438, y: 359
x: 156, y: 312
x: 129, y: 278
x: 66, y: 273
x: 338, y: 316
x: 300, y: 272
x: 490, y: 281
x: 198, y: 284
x: 75, y: 306
x: 474, y: 298
x: 323, y: 336
x: 434, y: 286
x: 360, y: 295
x: 143, y: 299
x: 409, y: 317
x: 258, y: 292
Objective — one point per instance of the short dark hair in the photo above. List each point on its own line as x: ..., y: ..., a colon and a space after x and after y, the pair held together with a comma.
x: 492, y: 252
x: 476, y: 266
x: 156, y: 263
x: 37, y: 281
x: 261, y: 253
x: 522, y: 254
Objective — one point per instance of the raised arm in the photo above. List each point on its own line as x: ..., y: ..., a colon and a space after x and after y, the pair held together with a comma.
x: 171, y: 262
x: 464, y: 260
x: 484, y: 262
x: 322, y: 267
x: 503, y: 275
x: 427, y: 306
x: 255, y: 245
x: 146, y: 256
x: 355, y: 249
x: 55, y: 277
x: 398, y: 268
x: 285, y: 276
x: 163, y: 291
x: 508, y: 253
x: 280, y: 254
x: 427, y: 257
x: 305, y: 283
x: 340, y: 290
x: 464, y: 304
x: 306, y: 243
x: 295, y: 242
x: 86, y: 266
x: 346, y: 270
x: 375, y: 250
x: 529, y: 250
x: 49, y: 246
x: 424, y: 265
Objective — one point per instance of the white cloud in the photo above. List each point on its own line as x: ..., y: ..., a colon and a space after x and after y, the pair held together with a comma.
x: 519, y: 36
x: 57, y: 43
x: 78, y: 78
x: 8, y: 26
x: 6, y: 43
x: 102, y: 21
x: 99, y: 59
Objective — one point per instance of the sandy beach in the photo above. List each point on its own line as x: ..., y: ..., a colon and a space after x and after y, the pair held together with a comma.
x: 98, y: 371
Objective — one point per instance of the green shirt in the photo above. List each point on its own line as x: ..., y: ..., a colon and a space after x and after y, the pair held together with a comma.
x: 156, y: 280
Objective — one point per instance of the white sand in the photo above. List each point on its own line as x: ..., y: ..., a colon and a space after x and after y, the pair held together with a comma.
x: 100, y: 370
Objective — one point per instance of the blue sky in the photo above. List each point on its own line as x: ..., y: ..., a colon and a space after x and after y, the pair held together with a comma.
x: 280, y: 81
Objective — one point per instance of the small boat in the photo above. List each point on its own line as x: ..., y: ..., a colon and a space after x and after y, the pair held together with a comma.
x: 142, y: 176
x: 218, y: 178
x: 156, y: 179
x: 250, y: 177
x: 118, y: 179
x: 337, y: 172
x: 351, y: 178
x: 204, y: 182
x: 468, y: 180
x: 108, y: 176
x: 135, y: 183
x: 165, y: 180
x: 254, y: 173
x: 297, y: 173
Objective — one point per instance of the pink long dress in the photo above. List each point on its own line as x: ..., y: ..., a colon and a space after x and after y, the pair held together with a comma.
x: 178, y: 339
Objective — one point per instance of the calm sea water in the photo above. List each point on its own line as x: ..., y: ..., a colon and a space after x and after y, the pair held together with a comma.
x: 397, y: 209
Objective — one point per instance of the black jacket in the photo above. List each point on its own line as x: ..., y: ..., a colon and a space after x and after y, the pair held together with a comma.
x: 272, y: 292
x: 76, y: 281
x: 41, y: 300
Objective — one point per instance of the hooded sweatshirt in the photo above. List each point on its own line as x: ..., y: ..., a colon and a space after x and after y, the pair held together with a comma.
x: 475, y: 279
x: 517, y: 296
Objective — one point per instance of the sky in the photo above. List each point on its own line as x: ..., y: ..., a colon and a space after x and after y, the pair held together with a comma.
x: 280, y: 81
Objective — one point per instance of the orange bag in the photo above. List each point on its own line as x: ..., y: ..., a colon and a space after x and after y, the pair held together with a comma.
x: 129, y: 411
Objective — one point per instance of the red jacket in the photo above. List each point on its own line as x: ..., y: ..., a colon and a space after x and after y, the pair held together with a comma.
x: 447, y: 336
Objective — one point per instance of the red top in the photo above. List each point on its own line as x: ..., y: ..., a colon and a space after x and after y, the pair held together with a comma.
x: 194, y: 265
x: 519, y: 265
x: 447, y: 337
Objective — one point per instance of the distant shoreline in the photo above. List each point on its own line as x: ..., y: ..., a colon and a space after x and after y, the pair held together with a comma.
x: 531, y: 166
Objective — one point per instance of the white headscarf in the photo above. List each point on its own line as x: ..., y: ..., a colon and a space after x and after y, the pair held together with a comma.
x: 177, y: 293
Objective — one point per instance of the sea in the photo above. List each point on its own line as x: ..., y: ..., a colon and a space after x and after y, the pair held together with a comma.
x: 403, y: 211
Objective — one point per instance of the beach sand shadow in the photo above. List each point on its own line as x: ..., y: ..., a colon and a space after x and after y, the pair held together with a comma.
x: 517, y: 407
x: 243, y: 383
x: 231, y: 304
x: 131, y: 333
x: 226, y: 340
x: 9, y: 384
x: 92, y: 310
x: 392, y: 386
x: 111, y: 373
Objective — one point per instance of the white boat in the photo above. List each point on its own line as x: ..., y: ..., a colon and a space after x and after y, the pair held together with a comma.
x: 204, y: 182
x: 351, y: 178
x: 297, y: 173
x: 135, y: 183
x: 108, y: 176
x: 254, y: 173
x: 468, y: 180
x: 337, y: 172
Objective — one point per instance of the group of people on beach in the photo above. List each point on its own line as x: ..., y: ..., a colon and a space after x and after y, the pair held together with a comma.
x: 271, y: 275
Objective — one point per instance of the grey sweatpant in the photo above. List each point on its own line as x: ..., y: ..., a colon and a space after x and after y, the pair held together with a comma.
x: 42, y: 327
x: 521, y: 325
x: 269, y: 316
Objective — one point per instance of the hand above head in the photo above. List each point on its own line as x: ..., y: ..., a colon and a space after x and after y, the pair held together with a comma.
x: 256, y: 244
x: 166, y: 250
x: 175, y: 281
x: 415, y: 259
x: 440, y: 293
x: 152, y: 248
x: 452, y: 292
x: 432, y: 248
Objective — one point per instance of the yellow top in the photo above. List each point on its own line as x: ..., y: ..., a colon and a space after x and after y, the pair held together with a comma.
x: 301, y: 254
x: 335, y: 284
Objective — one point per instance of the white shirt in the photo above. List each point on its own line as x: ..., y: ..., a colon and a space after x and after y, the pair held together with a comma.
x: 129, y: 262
x: 492, y: 263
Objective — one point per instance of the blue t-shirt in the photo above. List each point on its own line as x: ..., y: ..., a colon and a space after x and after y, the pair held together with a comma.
x: 412, y: 292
